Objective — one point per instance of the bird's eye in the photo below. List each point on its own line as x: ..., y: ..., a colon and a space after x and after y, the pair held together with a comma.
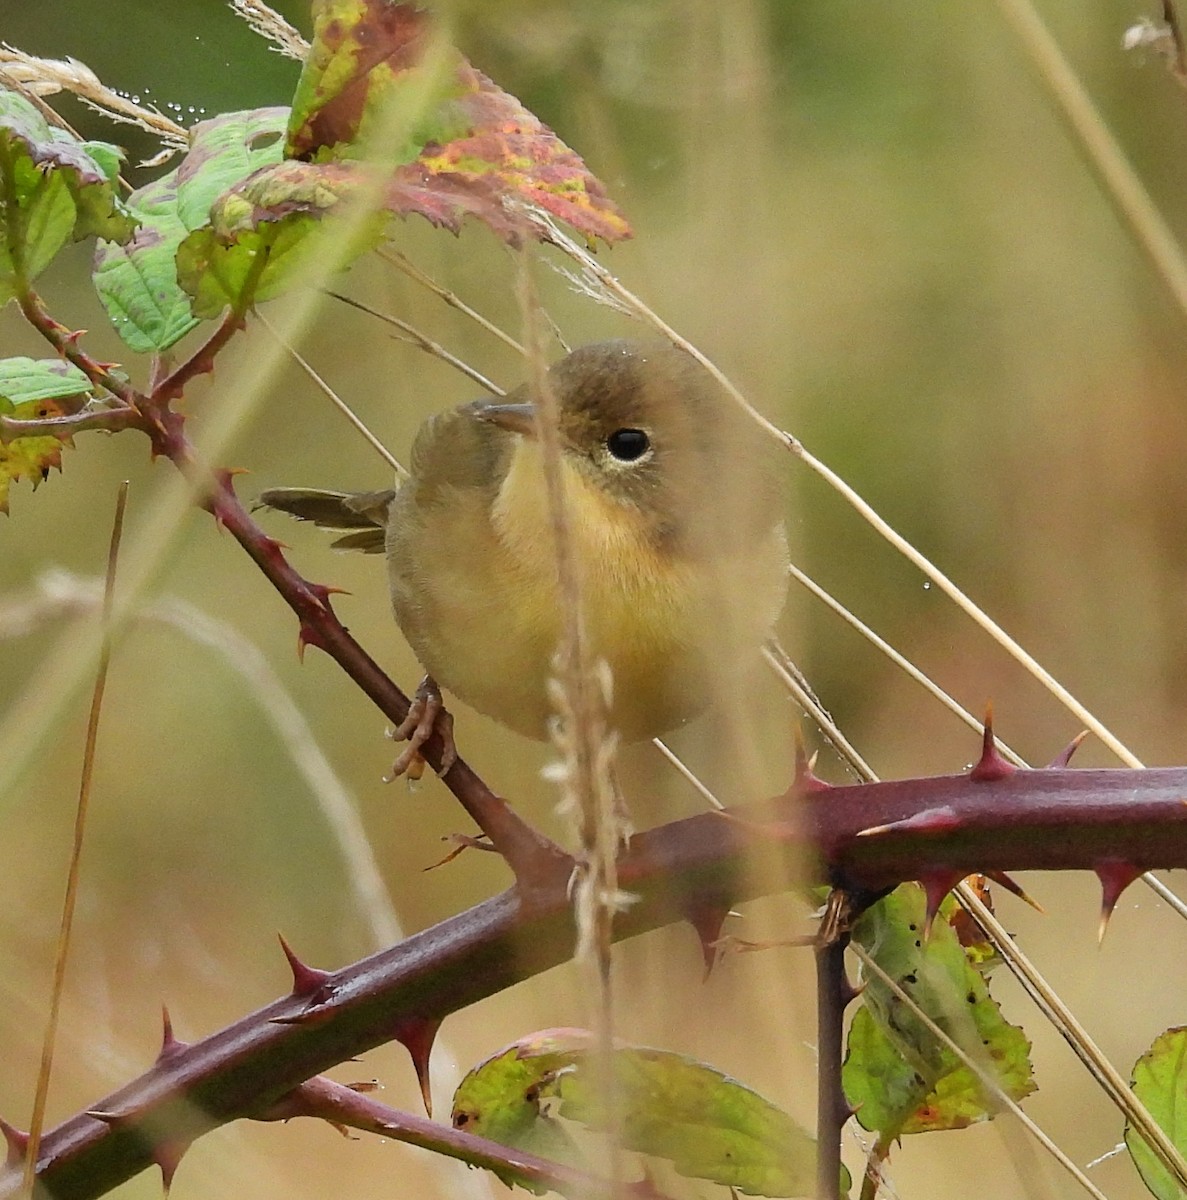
x: 628, y: 445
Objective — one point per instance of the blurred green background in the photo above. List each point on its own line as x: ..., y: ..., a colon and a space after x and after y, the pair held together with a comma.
x: 872, y: 218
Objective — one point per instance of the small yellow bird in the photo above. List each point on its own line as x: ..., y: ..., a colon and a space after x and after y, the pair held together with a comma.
x: 675, y: 508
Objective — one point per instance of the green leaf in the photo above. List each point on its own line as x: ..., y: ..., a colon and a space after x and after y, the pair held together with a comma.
x: 52, y: 187
x: 223, y: 152
x: 900, y: 1077
x: 669, y: 1106
x: 27, y: 380
x: 248, y: 257
x: 138, y: 282
x: 1160, y: 1083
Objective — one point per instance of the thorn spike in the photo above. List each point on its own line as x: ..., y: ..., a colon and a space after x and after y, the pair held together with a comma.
x: 167, y: 1154
x: 323, y: 591
x: 17, y: 1142
x: 707, y: 921
x: 417, y: 1035
x: 937, y: 884
x: 805, y: 779
x: 307, y: 981
x: 107, y: 1116
x: 850, y: 991
x: 991, y: 766
x: 1064, y: 757
x: 170, y: 1046
x: 1015, y: 889
x: 1115, y: 876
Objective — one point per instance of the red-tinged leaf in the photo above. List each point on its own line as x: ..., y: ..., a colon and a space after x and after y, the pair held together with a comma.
x: 54, y: 187
x: 271, y: 233
x: 460, y: 145
x: 365, y: 83
x: 30, y: 457
x: 510, y: 147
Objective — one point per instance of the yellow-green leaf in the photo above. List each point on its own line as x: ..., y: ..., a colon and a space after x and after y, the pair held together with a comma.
x: 898, y: 1074
x: 706, y: 1124
x: 1160, y: 1083
x: 29, y: 457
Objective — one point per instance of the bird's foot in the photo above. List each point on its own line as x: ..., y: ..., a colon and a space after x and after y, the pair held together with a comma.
x: 426, y: 715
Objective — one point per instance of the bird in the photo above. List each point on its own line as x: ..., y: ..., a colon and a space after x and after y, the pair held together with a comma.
x: 675, y: 509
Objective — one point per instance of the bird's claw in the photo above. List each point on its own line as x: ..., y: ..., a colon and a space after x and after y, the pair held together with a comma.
x: 426, y: 714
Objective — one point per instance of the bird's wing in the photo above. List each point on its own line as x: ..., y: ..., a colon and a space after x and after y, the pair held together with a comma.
x: 454, y: 450
x: 363, y: 514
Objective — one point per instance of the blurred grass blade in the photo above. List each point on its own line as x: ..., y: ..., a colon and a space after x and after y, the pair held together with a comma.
x: 84, y: 795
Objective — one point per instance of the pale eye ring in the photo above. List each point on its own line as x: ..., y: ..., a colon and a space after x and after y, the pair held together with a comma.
x: 628, y: 445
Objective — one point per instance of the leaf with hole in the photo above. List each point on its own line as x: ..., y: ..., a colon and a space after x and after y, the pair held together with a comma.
x: 138, y: 282
x: 897, y: 1073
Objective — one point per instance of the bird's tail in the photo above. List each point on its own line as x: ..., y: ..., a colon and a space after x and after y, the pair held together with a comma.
x: 362, y: 516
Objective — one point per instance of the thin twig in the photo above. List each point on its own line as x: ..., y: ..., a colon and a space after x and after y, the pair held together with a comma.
x: 833, y: 994
x: 1179, y: 59
x: 37, y: 1123
x: 797, y: 687
x: 334, y: 398
x: 1077, y: 1037
x: 424, y: 342
x: 901, y: 661
x: 399, y: 260
x: 687, y: 772
x: 111, y: 420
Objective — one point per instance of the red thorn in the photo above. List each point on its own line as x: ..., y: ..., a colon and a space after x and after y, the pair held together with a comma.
x: 17, y: 1142
x: 1115, y: 876
x: 992, y: 766
x: 937, y: 883
x: 167, y: 1154
x: 170, y: 1046
x: 1065, y: 756
x: 931, y: 820
x: 805, y: 779
x: 1016, y: 889
x: 323, y: 591
x: 707, y: 920
x: 311, y: 1016
x: 849, y: 991
x: 108, y: 1116
x: 416, y: 1035
x: 307, y: 981
x: 308, y: 636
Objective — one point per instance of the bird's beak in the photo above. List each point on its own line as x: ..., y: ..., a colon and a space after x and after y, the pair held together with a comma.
x: 516, y: 418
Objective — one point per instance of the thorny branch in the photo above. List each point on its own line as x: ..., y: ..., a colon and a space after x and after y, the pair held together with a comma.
x: 864, y: 838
